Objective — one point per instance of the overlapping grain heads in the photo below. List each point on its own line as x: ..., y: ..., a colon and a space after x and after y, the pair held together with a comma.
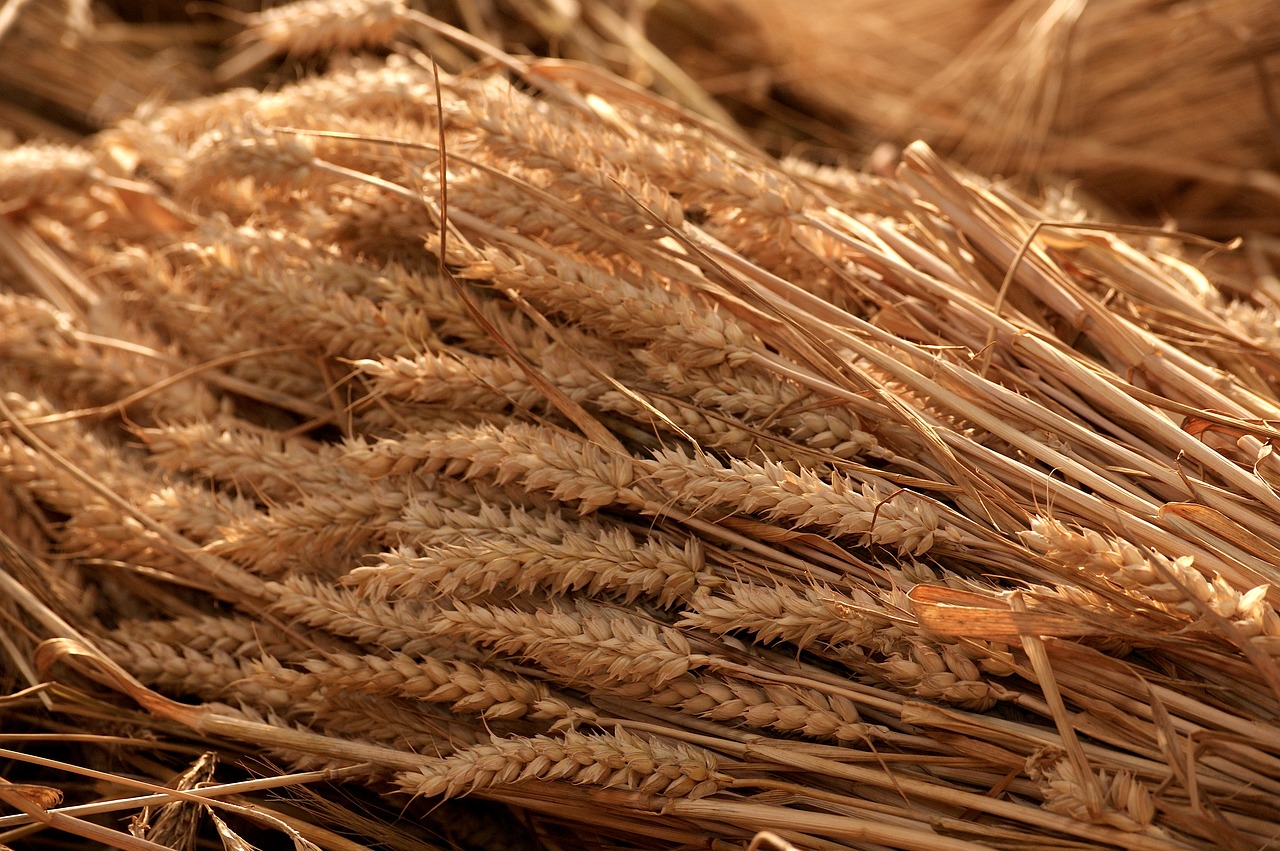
x: 573, y: 455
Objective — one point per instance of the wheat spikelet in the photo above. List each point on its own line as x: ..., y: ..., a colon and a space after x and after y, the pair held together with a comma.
x: 212, y: 674
x: 804, y: 618
x: 235, y: 635
x: 578, y: 645
x: 314, y: 26
x: 342, y: 612
x: 547, y: 552
x: 1171, y: 584
x: 869, y: 510
x: 1127, y: 804
x: 323, y: 531
x: 253, y: 460
x: 775, y: 707
x: 45, y: 172
x: 617, y: 759
x: 539, y: 458
x: 42, y: 343
x: 466, y: 688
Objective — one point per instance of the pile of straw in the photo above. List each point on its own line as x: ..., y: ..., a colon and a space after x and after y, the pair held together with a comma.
x: 1163, y: 109
x: 67, y: 69
x: 540, y: 443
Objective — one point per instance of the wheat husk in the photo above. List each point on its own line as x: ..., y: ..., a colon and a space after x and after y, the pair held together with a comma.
x: 624, y: 477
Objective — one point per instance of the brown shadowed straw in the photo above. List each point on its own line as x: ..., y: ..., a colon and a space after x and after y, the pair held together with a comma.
x: 513, y: 443
x: 1164, y: 110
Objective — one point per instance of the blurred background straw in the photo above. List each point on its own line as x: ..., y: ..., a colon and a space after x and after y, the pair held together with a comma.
x: 1162, y: 111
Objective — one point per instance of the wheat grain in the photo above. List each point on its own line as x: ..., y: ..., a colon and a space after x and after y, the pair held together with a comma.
x: 527, y: 553
x: 253, y: 460
x: 872, y: 511
x: 314, y: 26
x: 1128, y: 803
x: 617, y: 759
x: 407, y: 627
x: 1172, y: 584
x: 467, y: 689
x: 580, y: 645
x: 804, y: 618
x: 235, y: 635
x: 539, y: 458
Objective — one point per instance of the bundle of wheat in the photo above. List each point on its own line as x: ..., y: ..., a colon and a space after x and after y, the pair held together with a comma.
x: 1162, y: 108
x: 545, y: 445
